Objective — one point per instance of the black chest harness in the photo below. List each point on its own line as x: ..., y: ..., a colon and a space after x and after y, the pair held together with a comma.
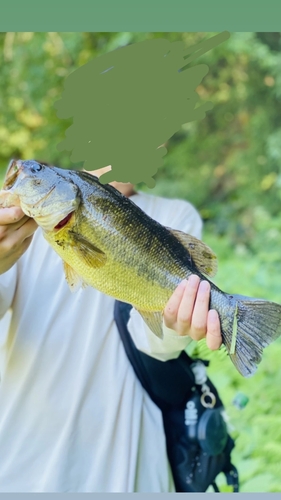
x: 198, y: 444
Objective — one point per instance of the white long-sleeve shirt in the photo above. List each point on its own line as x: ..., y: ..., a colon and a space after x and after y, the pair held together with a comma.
x: 73, y: 416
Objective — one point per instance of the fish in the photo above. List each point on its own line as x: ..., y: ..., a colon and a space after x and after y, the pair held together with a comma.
x: 107, y: 242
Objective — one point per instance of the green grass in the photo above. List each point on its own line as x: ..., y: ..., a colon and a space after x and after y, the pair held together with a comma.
x: 256, y: 428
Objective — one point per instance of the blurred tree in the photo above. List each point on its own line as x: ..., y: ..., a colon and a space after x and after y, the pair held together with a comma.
x: 228, y: 164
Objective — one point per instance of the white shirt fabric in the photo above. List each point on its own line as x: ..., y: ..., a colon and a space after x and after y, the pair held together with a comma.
x: 73, y: 416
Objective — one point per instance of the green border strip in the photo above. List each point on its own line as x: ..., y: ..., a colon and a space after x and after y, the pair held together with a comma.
x: 140, y: 15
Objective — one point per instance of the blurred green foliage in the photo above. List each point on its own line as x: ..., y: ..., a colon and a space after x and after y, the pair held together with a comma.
x: 228, y: 165
x: 256, y: 428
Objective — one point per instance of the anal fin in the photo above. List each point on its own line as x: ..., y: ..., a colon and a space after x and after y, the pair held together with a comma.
x: 73, y: 279
x: 154, y: 321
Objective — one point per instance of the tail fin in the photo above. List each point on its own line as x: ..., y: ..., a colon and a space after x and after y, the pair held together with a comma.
x: 256, y: 324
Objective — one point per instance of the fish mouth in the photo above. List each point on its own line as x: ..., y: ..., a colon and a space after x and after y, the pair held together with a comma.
x: 14, y: 168
x: 64, y: 221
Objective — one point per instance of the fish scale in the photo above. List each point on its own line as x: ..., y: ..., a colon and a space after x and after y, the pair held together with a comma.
x: 121, y: 269
x: 109, y: 243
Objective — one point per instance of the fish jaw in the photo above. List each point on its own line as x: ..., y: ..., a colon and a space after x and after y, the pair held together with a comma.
x: 49, y: 221
x: 41, y: 193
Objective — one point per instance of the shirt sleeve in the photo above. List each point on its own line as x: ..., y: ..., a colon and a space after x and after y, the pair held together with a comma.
x: 180, y: 215
x: 8, y: 283
x: 146, y: 341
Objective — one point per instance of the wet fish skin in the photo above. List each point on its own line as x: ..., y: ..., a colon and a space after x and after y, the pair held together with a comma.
x: 107, y: 242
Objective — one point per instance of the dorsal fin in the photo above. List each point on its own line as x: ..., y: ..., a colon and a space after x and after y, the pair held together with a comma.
x: 202, y: 255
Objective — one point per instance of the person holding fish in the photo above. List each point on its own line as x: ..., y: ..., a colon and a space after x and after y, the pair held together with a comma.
x: 73, y: 416
x: 187, y: 311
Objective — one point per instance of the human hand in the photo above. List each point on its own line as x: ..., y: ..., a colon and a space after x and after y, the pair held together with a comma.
x: 187, y: 312
x: 16, y: 231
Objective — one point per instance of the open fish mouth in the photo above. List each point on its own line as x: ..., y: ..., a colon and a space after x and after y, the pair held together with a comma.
x: 12, y: 174
x: 15, y: 168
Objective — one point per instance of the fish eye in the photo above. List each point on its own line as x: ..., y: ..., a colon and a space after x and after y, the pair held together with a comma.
x: 36, y: 167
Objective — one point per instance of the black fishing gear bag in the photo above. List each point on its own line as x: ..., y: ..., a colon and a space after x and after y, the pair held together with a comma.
x: 198, y: 444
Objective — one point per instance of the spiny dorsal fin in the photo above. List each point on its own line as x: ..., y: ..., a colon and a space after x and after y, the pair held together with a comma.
x: 202, y: 255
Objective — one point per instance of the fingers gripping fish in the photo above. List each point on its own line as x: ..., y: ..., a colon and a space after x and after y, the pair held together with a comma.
x: 109, y: 243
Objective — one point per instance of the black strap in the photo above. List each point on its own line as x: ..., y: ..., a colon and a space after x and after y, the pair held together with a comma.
x: 168, y: 383
x: 232, y: 479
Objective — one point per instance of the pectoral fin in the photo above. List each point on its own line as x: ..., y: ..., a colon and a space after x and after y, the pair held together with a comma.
x: 89, y: 253
x: 202, y: 256
x: 154, y: 321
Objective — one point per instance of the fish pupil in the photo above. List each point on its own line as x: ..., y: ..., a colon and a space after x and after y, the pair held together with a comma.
x: 36, y: 167
x: 64, y: 221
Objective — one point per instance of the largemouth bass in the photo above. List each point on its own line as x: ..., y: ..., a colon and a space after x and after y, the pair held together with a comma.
x: 107, y: 242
